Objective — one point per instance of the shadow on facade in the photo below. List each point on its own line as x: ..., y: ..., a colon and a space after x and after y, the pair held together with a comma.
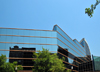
x: 21, y: 54
x: 67, y: 54
x: 83, y: 67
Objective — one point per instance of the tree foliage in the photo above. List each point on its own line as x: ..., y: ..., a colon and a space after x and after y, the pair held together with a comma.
x: 90, y: 11
x: 47, y: 62
x: 7, y: 66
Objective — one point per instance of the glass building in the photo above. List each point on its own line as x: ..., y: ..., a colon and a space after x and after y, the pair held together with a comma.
x: 96, y: 62
x: 56, y: 40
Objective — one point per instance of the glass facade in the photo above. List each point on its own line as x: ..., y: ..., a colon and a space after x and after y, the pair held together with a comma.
x: 96, y: 61
x: 84, y: 43
x: 56, y: 40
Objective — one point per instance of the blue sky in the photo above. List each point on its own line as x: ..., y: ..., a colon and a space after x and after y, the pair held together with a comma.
x: 44, y: 14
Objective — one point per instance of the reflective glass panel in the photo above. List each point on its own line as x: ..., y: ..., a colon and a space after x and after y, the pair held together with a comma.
x: 43, y: 46
x: 64, y: 41
x: 2, y: 52
x: 6, y: 53
x: 32, y: 32
x: 8, y: 46
x: 53, y: 40
x: 14, y: 39
x: 55, y: 28
x: 32, y: 46
x: 37, y: 33
x: 9, y: 32
x: 54, y: 48
x: 3, y: 31
x: 43, y: 40
x: 20, y: 40
x: 53, y: 34
x: 26, y: 39
x: 26, y: 32
x: 31, y: 40
x: 2, y: 38
x: 96, y: 63
x: 43, y: 33
x: 49, y: 41
x: 71, y: 44
x: 69, y: 49
x: 48, y: 33
x: 2, y: 45
x: 15, y: 31
x: 37, y: 47
x: 79, y: 44
x: 26, y: 45
x: 70, y: 60
x: 9, y: 38
x: 49, y: 47
x: 21, y: 32
x: 37, y: 40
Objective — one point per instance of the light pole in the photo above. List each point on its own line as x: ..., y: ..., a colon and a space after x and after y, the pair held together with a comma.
x: 16, y: 69
x: 72, y: 68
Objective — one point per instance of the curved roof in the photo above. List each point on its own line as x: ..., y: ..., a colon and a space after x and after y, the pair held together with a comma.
x: 85, y: 41
x: 86, y: 44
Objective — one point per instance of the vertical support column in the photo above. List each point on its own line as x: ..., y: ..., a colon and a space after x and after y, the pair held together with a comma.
x: 93, y: 65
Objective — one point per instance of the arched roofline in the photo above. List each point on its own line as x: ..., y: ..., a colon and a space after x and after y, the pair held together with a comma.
x: 86, y: 43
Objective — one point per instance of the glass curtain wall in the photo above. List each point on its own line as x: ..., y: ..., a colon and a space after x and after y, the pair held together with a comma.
x: 76, y: 54
x: 56, y: 40
x: 28, y: 39
x: 96, y: 61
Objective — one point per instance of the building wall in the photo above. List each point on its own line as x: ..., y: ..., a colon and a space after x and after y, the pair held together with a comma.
x: 76, y: 52
x: 84, y: 43
x: 56, y: 40
x: 96, y: 62
x: 27, y: 38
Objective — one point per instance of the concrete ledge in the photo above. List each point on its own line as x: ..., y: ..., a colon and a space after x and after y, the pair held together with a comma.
x: 25, y: 71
